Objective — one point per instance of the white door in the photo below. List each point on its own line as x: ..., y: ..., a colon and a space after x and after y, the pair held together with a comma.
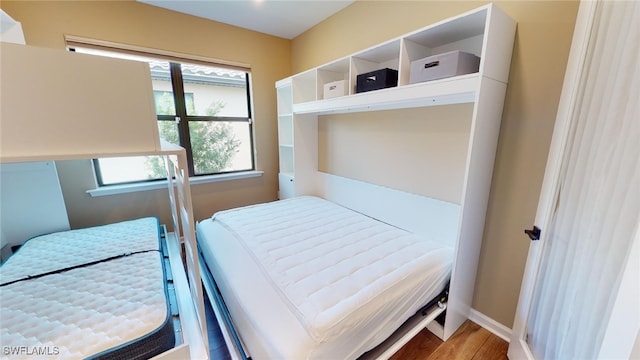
x: 580, y: 297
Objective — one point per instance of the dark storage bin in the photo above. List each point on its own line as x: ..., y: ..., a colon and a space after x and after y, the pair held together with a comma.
x: 379, y: 79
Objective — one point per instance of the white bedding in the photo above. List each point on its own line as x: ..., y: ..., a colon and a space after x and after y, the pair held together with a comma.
x: 86, y: 310
x: 307, y: 279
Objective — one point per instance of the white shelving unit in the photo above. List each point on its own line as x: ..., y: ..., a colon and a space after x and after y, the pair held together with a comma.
x: 486, y: 32
x: 285, y: 137
x: 297, y: 137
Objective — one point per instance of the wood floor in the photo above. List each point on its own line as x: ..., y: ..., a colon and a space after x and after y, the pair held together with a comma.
x: 470, y: 342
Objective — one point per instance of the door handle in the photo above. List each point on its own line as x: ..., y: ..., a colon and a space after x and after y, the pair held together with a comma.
x: 534, y: 234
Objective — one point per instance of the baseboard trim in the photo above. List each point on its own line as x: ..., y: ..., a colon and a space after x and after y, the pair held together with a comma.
x: 488, y: 323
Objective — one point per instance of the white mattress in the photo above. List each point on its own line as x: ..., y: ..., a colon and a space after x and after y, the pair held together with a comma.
x: 87, y: 310
x: 307, y: 279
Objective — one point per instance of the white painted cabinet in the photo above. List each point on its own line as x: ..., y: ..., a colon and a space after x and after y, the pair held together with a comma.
x: 486, y: 32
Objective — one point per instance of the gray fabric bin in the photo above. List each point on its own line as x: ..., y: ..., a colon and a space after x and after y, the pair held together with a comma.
x: 443, y: 66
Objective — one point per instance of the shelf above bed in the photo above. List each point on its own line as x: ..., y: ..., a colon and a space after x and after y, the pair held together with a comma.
x: 461, y: 89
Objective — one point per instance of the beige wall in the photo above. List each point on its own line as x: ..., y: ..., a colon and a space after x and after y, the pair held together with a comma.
x: 422, y: 151
x: 45, y: 23
x: 539, y: 59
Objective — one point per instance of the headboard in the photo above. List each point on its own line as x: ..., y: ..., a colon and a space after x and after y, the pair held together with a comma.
x: 422, y: 215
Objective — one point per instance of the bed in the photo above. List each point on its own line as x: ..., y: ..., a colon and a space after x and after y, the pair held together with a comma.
x: 305, y: 278
x: 99, y: 292
x: 106, y: 133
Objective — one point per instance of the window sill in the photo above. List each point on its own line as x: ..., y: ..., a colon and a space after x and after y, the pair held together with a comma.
x: 162, y: 184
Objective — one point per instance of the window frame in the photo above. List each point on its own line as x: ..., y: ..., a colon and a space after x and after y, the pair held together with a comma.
x: 182, y: 118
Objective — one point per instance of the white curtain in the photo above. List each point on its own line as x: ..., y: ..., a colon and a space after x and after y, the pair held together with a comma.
x: 598, y: 203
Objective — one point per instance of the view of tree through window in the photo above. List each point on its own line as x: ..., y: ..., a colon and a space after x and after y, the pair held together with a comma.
x: 203, y: 108
x: 213, y: 144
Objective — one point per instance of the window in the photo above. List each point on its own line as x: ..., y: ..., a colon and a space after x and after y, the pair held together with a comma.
x: 205, y: 108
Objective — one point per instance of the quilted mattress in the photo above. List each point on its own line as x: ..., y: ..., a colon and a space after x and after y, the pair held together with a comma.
x: 116, y: 308
x: 304, y: 278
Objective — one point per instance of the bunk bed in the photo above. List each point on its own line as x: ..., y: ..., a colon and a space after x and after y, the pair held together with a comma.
x: 100, y: 292
x: 133, y: 272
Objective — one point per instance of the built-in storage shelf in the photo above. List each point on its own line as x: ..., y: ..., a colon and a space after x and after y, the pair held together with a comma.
x: 284, y: 100
x: 304, y: 87
x: 285, y: 130
x: 286, y: 159
x: 386, y: 55
x: 486, y: 32
x: 456, y: 90
x: 284, y: 89
x: 466, y: 32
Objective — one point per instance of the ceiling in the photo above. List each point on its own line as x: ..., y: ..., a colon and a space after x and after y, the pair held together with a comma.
x: 282, y: 18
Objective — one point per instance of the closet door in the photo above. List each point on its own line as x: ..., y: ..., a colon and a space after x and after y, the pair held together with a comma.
x: 581, y: 288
